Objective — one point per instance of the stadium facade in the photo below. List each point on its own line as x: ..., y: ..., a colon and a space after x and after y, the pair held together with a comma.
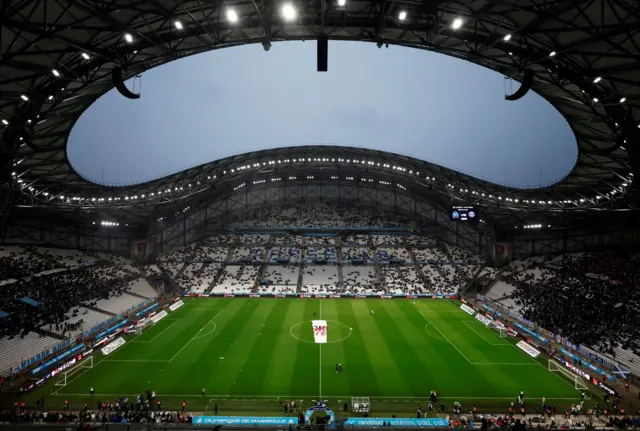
x: 52, y: 73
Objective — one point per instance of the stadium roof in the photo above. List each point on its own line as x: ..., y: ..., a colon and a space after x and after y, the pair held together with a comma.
x: 57, y: 58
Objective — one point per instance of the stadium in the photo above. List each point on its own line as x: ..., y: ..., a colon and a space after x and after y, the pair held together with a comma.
x: 318, y: 285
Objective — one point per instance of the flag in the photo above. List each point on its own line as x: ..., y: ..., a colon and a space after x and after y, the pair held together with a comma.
x: 320, y: 331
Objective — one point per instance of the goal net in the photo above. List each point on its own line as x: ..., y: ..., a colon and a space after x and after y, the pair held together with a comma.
x: 578, y: 381
x: 84, y: 365
x: 360, y: 404
x: 500, y: 329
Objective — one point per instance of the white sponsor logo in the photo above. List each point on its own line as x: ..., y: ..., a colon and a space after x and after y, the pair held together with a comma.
x: 499, y: 325
x: 109, y: 348
x: 468, y: 309
x: 534, y: 353
x: 176, y: 305
x: 320, y: 331
x: 483, y: 319
x: 155, y: 319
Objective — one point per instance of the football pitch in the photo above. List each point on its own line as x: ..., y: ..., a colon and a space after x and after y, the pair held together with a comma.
x: 251, y: 353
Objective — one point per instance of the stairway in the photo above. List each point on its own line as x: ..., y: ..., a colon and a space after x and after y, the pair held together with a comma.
x: 259, y: 276
x: 136, y: 295
x: 168, y: 278
x: 47, y: 333
x: 99, y: 310
x: 493, y: 282
x: 300, y: 276
x: 216, y: 278
x: 7, y: 198
x: 414, y: 262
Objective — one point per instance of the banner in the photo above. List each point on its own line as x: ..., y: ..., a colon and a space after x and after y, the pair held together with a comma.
x: 483, y: 319
x: 176, y: 305
x: 245, y: 420
x: 498, y: 324
x: 109, y: 348
x: 155, y: 319
x: 468, y: 309
x: 320, y: 331
x: 57, y: 358
x: 530, y: 332
x: 397, y: 422
x: 534, y: 353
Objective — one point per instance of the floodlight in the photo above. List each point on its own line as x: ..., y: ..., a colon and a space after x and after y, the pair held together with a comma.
x: 232, y: 16
x: 288, y: 12
x: 402, y: 15
x: 85, y: 56
x: 55, y: 72
x: 507, y: 37
x: 552, y: 54
x: 624, y: 99
x: 342, y: 2
x: 128, y: 37
x: 23, y: 97
x: 178, y: 25
x: 457, y: 23
x: 598, y: 79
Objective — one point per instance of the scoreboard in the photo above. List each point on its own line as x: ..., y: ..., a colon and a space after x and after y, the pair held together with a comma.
x: 463, y: 213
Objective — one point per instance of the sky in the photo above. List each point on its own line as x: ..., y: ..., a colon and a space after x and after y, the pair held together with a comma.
x: 416, y: 103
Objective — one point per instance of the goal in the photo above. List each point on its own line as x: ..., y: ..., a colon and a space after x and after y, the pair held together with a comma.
x: 85, y: 364
x: 578, y: 381
x: 360, y: 404
x: 499, y: 329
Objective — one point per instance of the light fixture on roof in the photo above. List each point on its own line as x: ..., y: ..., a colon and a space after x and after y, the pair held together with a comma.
x: 402, y: 15
x: 457, y: 23
x: 55, y: 72
x: 507, y: 37
x: 51, y: 97
x: 24, y: 97
x: 341, y: 3
x: 232, y: 16
x: 596, y: 100
x: 288, y: 12
x: 5, y: 122
x: 178, y: 24
x: 597, y: 79
x: 85, y: 56
x: 552, y: 54
x: 622, y: 100
x: 128, y: 37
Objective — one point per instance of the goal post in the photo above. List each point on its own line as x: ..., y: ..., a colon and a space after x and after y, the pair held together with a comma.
x: 578, y: 381
x: 500, y: 329
x: 85, y: 364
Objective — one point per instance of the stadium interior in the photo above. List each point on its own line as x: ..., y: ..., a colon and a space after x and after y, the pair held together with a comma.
x: 397, y: 250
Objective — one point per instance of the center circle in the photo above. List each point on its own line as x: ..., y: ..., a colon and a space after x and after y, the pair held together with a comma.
x: 305, y: 335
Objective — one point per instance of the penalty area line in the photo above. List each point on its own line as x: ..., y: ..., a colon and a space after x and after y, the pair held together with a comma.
x: 156, y: 336
x: 195, y: 336
x: 294, y: 397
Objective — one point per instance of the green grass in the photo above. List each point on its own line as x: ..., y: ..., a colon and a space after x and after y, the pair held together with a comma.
x: 394, y: 357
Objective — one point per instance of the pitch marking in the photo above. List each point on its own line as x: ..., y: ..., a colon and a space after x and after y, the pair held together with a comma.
x: 320, y: 367
x: 468, y: 325
x: 445, y: 337
x: 292, y: 397
x: 161, y: 332
x: 313, y: 342
x: 88, y: 369
x: 195, y: 337
x: 431, y: 333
